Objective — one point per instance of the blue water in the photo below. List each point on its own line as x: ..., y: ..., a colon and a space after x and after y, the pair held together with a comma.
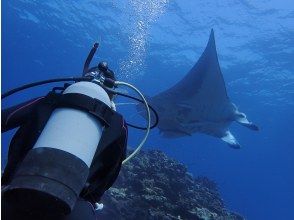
x: 152, y: 44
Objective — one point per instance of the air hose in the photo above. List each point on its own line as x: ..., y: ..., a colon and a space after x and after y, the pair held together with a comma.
x: 148, y: 120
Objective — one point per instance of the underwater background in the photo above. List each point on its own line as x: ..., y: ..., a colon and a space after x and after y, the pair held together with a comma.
x: 153, y: 44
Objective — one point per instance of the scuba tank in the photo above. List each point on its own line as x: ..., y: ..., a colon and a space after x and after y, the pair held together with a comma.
x: 61, y: 158
x: 62, y: 163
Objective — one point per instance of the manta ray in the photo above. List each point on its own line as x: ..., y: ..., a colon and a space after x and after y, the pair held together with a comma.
x: 199, y: 102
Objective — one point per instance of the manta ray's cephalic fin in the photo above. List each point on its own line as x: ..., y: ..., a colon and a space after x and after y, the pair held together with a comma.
x: 241, y: 118
x: 231, y: 140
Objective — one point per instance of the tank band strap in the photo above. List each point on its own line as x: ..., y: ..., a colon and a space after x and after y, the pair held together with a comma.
x: 91, y: 105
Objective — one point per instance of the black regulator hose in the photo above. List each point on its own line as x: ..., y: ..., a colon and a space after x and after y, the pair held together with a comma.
x: 151, y: 108
x: 30, y: 85
x: 139, y: 100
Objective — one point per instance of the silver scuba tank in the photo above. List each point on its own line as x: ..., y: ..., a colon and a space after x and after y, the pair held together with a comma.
x: 55, y: 170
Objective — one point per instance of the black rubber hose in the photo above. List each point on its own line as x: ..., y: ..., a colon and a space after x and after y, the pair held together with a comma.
x: 152, y: 109
x: 30, y: 85
x: 139, y: 100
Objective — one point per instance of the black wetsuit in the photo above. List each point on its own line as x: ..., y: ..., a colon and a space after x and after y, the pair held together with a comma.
x: 26, y: 116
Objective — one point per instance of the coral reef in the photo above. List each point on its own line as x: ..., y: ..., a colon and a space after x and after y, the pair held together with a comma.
x: 153, y: 186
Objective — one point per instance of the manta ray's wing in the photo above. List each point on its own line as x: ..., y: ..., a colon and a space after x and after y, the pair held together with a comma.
x: 203, y: 84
